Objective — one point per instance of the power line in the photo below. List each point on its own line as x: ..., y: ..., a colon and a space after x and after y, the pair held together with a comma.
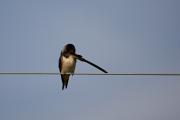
x: 105, y: 74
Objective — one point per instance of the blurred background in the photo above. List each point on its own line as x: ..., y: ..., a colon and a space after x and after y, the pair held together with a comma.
x: 121, y: 36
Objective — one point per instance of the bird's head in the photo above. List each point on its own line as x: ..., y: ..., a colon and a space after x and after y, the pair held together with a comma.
x: 69, y: 49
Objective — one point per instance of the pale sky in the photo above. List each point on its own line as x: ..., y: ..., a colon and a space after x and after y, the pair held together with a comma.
x: 122, y: 36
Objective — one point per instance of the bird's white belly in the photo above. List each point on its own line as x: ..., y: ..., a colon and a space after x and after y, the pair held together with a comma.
x: 68, y: 64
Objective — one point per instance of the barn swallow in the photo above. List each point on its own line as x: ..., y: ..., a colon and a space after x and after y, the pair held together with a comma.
x: 67, y: 63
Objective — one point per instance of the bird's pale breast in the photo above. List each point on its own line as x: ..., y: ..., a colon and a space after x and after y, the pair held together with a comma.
x: 68, y: 64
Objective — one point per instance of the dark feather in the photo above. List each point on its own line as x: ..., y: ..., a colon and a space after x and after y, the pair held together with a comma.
x: 79, y: 57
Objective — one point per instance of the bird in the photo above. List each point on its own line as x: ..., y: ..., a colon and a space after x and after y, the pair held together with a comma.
x: 67, y: 63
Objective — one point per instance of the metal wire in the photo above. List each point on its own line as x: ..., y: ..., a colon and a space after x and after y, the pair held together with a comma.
x: 107, y: 74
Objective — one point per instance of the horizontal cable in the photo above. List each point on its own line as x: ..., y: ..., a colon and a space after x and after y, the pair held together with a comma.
x: 109, y: 74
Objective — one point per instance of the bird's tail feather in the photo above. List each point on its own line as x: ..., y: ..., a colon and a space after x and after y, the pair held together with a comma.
x: 79, y: 57
x: 65, y: 79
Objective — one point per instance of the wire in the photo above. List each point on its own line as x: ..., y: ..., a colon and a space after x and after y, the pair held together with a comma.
x: 107, y: 74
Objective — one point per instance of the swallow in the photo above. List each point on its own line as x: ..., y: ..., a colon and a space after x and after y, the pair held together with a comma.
x: 67, y: 63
